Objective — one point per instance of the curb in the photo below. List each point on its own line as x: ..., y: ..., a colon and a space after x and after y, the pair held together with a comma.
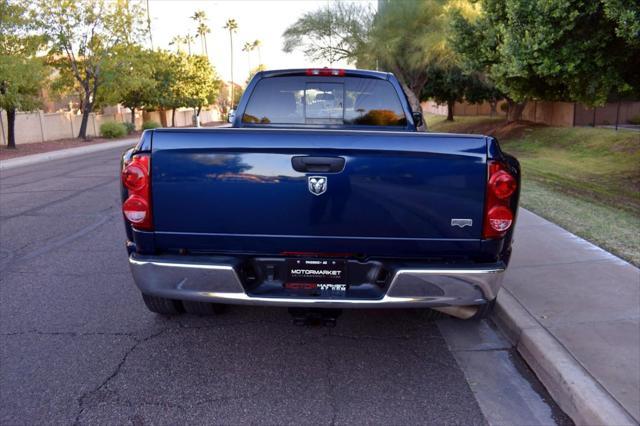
x: 576, y: 391
x: 63, y: 153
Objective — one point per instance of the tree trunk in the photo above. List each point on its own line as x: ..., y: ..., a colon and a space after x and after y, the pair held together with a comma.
x: 86, y: 110
x: 133, y: 116
x: 11, y: 128
x: 412, y: 98
x: 198, y: 116
x: 163, y: 117
x: 514, y: 112
x: 450, y: 105
x: 173, y: 117
x: 494, y: 108
x: 233, y: 100
x: 414, y: 102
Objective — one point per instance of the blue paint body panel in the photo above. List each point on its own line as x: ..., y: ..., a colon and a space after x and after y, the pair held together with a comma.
x: 235, y: 190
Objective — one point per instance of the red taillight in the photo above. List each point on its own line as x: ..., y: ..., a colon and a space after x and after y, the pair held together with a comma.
x: 135, y: 209
x: 500, y: 218
x: 325, y: 72
x: 501, y: 185
x: 136, y: 178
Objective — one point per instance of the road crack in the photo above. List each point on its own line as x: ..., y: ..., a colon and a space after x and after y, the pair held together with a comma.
x: 69, y: 333
x: 81, y: 399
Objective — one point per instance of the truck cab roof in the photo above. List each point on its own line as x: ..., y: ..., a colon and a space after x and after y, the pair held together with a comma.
x: 343, y: 72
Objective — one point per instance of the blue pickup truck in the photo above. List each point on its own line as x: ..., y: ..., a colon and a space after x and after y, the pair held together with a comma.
x: 324, y: 193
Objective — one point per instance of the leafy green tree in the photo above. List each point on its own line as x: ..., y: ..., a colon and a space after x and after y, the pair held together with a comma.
x: 82, y: 36
x: 134, y: 85
x: 332, y: 33
x: 175, y: 80
x: 445, y: 85
x: 553, y: 50
x: 626, y: 15
x: 406, y: 38
x: 479, y: 90
x: 451, y: 84
x: 198, y: 83
x: 21, y: 74
x: 168, y: 94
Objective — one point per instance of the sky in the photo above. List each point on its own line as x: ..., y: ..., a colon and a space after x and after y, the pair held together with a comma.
x: 265, y: 20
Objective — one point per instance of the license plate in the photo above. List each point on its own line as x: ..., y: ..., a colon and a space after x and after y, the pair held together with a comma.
x: 318, y: 271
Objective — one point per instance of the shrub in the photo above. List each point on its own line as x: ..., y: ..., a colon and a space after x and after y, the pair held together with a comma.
x: 504, y: 107
x: 112, y: 129
x: 150, y: 125
x: 130, y: 127
x: 635, y: 120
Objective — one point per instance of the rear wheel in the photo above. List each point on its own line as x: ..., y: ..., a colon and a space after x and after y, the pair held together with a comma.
x: 202, y: 308
x: 162, y: 306
x: 430, y: 315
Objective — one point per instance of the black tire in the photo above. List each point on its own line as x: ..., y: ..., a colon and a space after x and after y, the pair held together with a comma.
x: 162, y: 306
x: 431, y: 315
x: 202, y: 308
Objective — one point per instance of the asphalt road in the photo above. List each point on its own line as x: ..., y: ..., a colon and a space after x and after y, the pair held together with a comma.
x: 78, y: 345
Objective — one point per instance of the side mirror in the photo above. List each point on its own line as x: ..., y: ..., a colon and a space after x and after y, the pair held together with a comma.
x: 232, y: 115
x: 418, y: 120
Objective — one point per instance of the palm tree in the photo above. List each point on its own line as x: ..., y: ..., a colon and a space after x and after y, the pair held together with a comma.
x: 200, y: 17
x: 177, y: 41
x: 189, y: 39
x: 202, y: 32
x: 248, y: 47
x: 256, y: 45
x: 232, y: 26
x: 149, y: 25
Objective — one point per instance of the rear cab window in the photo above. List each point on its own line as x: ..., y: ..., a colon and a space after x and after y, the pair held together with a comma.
x: 308, y: 100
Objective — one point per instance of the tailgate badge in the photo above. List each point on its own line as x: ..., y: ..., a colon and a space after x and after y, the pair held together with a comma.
x: 317, y: 184
x: 461, y: 222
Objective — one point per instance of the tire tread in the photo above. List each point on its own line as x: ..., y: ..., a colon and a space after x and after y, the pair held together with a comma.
x: 162, y: 306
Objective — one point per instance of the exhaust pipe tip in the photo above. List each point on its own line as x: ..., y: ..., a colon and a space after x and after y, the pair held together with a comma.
x: 461, y: 312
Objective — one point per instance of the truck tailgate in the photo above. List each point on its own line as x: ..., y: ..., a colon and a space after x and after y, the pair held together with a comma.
x: 236, y: 191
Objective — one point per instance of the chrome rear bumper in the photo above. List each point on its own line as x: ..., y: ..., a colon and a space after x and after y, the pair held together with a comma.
x: 189, y: 278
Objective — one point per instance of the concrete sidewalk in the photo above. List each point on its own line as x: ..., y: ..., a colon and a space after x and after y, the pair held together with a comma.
x: 573, y: 311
